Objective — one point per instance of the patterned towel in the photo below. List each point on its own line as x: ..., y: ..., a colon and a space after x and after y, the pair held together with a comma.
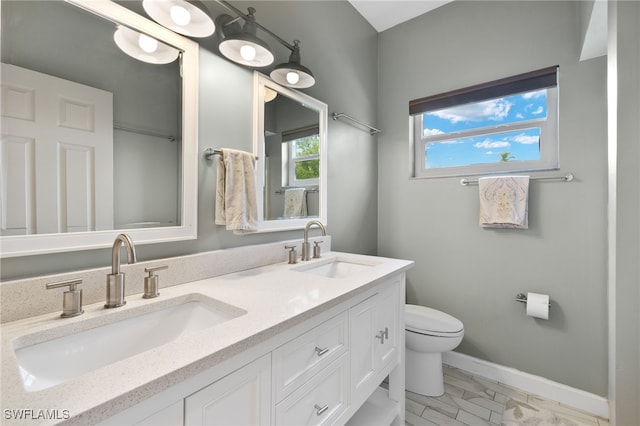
x: 236, y: 202
x: 295, y: 202
x: 504, y: 202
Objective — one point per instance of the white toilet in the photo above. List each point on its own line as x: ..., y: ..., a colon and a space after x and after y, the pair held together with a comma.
x: 428, y: 333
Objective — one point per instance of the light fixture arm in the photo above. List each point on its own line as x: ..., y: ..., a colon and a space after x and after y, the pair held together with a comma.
x: 248, y: 18
x: 295, y: 52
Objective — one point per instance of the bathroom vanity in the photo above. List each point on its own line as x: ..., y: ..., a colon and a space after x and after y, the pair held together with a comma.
x: 309, y: 343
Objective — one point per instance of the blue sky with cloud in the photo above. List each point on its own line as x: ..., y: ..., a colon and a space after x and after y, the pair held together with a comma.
x: 522, y: 145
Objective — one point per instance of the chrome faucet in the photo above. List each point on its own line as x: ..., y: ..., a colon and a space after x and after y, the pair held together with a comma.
x: 115, y: 280
x: 305, y: 244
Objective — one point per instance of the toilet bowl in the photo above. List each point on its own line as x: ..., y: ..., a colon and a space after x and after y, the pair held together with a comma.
x: 428, y: 333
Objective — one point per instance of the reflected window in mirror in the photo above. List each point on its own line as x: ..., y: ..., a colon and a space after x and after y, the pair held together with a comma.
x: 301, y: 157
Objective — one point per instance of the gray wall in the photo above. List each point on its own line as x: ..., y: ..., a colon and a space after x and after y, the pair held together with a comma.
x: 472, y: 273
x: 343, y: 60
x: 624, y: 69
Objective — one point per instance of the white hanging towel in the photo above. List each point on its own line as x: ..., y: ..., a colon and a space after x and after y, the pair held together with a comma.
x: 236, y: 202
x: 504, y: 202
x: 295, y: 202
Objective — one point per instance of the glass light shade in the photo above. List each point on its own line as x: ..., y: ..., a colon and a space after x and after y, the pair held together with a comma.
x: 148, y: 44
x: 181, y: 16
x: 283, y: 72
x: 293, y: 74
x: 293, y: 77
x: 269, y: 94
x: 128, y: 41
x: 232, y: 49
x: 248, y: 52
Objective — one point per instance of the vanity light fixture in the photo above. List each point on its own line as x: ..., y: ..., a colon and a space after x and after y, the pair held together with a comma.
x: 269, y: 94
x: 142, y: 47
x: 243, y: 45
x: 189, y: 18
x: 292, y: 73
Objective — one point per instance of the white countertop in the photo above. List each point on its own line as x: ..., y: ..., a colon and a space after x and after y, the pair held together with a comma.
x: 276, y: 297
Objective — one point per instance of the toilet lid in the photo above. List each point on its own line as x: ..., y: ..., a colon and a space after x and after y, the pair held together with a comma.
x: 423, y: 319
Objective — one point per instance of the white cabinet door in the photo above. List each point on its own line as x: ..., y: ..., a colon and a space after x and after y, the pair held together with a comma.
x: 363, y: 327
x: 241, y: 398
x: 386, y: 330
x: 375, y: 336
x: 56, y: 155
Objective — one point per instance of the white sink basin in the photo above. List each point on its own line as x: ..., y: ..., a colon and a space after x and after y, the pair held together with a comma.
x: 55, y: 361
x: 337, y: 267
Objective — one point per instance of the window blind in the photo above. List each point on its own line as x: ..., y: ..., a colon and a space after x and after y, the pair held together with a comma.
x: 534, y: 80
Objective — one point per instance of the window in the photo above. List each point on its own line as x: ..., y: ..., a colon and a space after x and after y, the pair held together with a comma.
x: 502, y: 126
x: 301, y: 151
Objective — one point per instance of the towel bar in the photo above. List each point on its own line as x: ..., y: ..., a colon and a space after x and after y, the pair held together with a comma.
x: 566, y: 178
x: 281, y: 191
x: 210, y: 152
x: 372, y: 130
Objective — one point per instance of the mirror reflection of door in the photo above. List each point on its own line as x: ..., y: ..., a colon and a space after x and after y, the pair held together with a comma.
x: 57, y: 155
x: 292, y: 168
x: 143, y: 168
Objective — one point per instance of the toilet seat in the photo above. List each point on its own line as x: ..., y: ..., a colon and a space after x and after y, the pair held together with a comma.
x: 431, y: 322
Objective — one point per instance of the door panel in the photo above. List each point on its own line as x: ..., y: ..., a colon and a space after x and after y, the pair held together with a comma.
x: 71, y: 129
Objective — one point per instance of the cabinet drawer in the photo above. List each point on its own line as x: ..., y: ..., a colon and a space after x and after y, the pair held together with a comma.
x: 300, y: 359
x: 319, y: 401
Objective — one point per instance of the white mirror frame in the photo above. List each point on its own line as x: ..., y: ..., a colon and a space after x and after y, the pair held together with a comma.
x: 25, y: 245
x: 259, y: 83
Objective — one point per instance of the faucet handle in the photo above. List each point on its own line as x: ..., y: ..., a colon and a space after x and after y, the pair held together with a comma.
x: 293, y: 255
x: 71, y: 299
x: 152, y: 282
x: 316, y: 249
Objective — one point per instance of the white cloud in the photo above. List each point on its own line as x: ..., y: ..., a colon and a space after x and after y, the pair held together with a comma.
x: 431, y: 132
x: 538, y: 111
x: 488, y: 143
x: 495, y: 110
x: 526, y: 139
x: 533, y: 95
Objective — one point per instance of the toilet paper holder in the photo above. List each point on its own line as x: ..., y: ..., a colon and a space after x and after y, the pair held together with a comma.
x: 521, y: 297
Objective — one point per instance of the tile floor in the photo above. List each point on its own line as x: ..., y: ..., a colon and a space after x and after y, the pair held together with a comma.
x: 473, y: 400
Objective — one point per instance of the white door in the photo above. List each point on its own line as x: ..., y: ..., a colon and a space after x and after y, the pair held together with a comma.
x: 56, y: 155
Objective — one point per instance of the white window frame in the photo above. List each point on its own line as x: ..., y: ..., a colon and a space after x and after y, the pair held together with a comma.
x: 549, y: 144
x: 291, y: 160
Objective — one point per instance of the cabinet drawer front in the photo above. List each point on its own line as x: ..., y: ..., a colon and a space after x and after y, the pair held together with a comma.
x: 300, y: 359
x: 319, y: 401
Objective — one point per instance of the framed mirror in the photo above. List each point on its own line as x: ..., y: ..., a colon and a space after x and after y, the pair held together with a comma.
x: 60, y: 193
x: 290, y: 141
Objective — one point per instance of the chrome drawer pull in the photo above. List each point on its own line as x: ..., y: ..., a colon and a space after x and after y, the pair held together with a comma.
x: 320, y: 410
x: 321, y: 352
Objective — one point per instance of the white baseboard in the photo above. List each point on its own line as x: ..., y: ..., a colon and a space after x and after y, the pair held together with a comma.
x: 572, y: 397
